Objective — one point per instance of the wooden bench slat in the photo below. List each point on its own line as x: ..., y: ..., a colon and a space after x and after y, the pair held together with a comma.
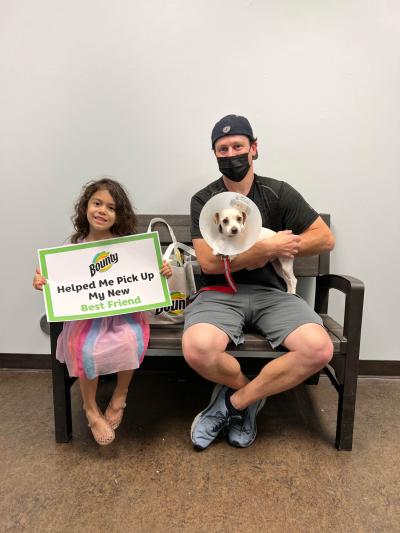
x: 306, y: 266
x: 179, y: 223
x: 169, y: 337
x: 336, y: 330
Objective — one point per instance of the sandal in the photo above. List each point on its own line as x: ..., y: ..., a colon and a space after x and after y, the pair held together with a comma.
x: 114, y: 421
x: 102, y: 438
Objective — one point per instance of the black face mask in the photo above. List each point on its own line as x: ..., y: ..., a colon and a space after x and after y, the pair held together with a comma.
x: 235, y: 167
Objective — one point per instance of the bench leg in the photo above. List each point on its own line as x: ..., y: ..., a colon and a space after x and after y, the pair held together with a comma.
x: 61, y: 402
x: 346, y: 411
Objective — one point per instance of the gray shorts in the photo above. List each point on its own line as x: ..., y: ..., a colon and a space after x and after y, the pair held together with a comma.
x: 271, y: 312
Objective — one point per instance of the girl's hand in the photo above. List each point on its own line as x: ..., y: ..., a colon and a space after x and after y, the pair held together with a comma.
x: 166, y: 270
x: 38, y: 280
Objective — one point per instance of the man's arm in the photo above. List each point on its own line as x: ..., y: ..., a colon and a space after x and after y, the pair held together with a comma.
x: 284, y: 244
x: 315, y: 239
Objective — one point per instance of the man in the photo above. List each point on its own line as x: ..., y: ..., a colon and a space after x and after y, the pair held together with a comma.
x: 215, y: 318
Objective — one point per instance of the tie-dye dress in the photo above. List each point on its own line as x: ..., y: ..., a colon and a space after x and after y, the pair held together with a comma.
x: 100, y: 346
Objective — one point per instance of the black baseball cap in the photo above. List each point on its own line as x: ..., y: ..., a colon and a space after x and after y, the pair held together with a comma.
x: 231, y: 125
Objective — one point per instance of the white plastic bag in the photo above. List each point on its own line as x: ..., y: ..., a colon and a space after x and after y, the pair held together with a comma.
x: 181, y: 284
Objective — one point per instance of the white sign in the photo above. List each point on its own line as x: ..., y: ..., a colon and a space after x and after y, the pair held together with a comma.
x: 103, y: 278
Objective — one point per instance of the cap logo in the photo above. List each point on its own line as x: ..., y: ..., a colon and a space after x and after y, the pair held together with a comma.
x: 226, y: 129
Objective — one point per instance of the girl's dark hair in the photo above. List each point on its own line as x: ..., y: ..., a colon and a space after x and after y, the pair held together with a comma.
x: 126, y: 220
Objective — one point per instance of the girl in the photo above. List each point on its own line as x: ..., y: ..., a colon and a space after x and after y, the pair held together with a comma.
x: 103, y: 345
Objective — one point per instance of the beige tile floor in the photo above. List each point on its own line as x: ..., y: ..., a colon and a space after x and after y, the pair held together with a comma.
x: 151, y: 480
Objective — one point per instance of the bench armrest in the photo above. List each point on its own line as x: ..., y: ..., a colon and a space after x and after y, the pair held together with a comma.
x: 353, y: 289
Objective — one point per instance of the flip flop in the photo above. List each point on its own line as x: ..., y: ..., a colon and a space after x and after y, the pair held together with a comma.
x: 114, y: 421
x: 102, y: 438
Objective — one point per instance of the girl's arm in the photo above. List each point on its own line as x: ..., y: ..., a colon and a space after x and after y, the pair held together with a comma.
x: 38, y: 280
x: 166, y: 270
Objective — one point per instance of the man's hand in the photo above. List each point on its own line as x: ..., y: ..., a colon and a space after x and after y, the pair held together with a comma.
x: 286, y: 244
x: 283, y: 244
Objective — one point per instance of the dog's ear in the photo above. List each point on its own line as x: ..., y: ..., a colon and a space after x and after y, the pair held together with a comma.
x: 216, y: 218
x: 241, y: 206
x: 244, y: 215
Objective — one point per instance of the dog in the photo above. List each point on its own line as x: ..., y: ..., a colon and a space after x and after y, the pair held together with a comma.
x: 231, y: 222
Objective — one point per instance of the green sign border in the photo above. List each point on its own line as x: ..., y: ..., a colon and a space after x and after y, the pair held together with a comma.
x: 43, y: 253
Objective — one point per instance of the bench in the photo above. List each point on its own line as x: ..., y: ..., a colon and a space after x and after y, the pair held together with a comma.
x: 164, y: 352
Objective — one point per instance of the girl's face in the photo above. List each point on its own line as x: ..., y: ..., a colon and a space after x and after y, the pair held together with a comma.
x: 100, y: 211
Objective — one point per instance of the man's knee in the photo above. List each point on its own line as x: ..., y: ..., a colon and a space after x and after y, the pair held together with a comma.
x: 194, y: 350
x: 312, y: 343
x: 201, y: 343
x: 319, y: 351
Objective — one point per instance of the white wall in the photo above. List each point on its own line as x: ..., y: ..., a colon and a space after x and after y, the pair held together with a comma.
x: 133, y: 89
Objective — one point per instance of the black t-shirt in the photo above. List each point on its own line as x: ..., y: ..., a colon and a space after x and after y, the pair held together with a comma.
x: 281, y: 207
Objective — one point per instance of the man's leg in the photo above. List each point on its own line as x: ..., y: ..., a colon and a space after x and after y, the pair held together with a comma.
x: 284, y: 319
x: 204, y: 347
x: 310, y: 349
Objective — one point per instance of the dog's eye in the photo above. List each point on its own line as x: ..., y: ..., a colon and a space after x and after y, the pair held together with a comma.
x: 239, y: 219
x: 225, y: 221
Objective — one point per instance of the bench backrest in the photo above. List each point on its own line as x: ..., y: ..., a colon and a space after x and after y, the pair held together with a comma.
x: 311, y: 266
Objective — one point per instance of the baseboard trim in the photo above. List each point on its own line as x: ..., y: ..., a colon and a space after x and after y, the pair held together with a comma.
x: 379, y: 368
x: 25, y: 361
x: 43, y: 362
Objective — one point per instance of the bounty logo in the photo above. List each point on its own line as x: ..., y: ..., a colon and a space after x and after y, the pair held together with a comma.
x: 102, y: 262
x: 178, y: 305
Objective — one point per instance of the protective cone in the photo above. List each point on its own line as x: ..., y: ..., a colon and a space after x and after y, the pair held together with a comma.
x: 210, y: 230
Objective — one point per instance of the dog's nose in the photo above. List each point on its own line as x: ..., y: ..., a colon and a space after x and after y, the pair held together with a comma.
x: 234, y: 230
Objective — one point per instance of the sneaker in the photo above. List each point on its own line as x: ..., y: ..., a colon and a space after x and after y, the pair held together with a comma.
x: 243, y: 430
x: 212, y: 420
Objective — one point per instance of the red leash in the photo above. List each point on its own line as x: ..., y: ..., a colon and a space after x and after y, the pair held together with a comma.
x: 228, y: 274
x: 232, y: 288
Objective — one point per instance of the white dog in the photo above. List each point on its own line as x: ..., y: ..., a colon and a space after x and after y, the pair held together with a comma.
x: 231, y: 223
